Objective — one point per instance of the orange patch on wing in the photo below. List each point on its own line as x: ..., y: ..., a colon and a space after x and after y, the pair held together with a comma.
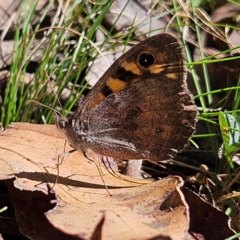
x: 100, y: 97
x: 132, y: 67
x: 184, y: 122
x: 172, y: 76
x: 115, y: 84
x: 157, y: 68
x: 136, y: 80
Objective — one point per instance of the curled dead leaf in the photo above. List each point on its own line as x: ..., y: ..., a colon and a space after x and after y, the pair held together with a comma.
x: 133, y: 210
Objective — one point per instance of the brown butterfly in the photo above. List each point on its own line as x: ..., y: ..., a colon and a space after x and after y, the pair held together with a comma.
x: 140, y: 108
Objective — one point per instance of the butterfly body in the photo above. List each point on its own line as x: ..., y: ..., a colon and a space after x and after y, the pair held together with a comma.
x: 140, y: 108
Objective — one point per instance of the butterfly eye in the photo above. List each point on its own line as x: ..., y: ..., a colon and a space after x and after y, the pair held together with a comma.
x: 60, y: 122
x: 146, y: 59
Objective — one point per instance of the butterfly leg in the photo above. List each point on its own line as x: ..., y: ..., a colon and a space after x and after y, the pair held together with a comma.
x: 133, y: 168
x: 108, y: 162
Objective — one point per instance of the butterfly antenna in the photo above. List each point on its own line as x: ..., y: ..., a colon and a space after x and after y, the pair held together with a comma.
x: 53, y: 90
x: 41, y: 104
x: 56, y: 97
x: 60, y: 156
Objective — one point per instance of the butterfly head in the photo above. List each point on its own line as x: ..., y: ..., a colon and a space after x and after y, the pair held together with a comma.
x: 60, y: 122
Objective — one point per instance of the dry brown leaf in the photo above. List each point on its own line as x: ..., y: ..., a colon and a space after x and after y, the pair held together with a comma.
x: 137, y: 209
